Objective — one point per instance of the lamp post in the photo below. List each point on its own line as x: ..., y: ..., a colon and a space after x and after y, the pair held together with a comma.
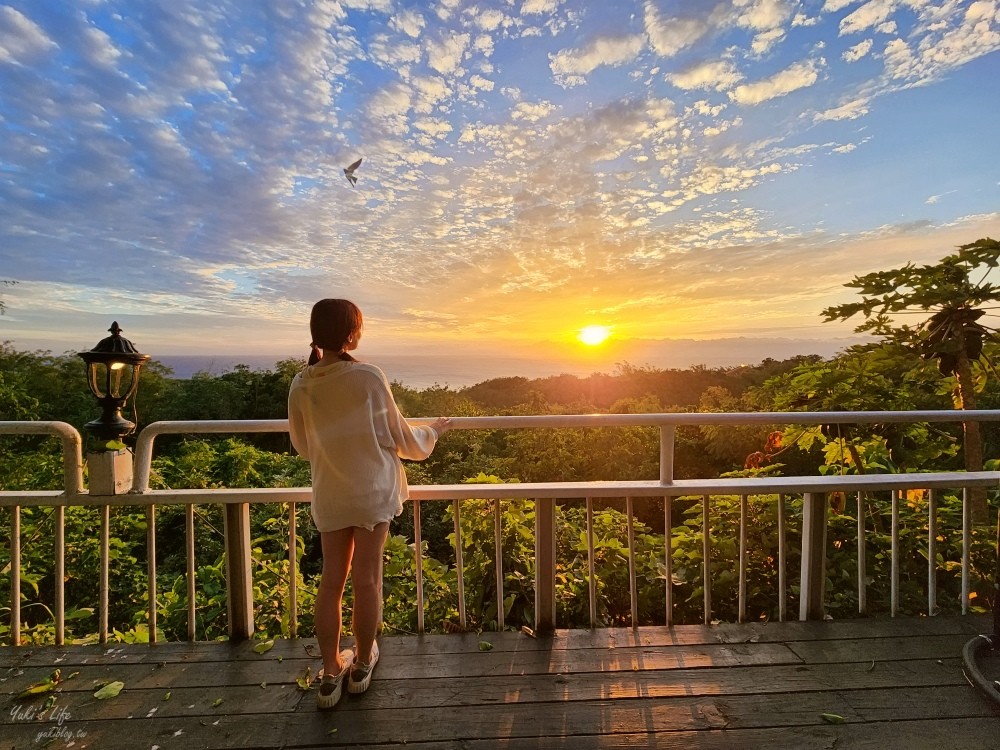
x: 113, y: 377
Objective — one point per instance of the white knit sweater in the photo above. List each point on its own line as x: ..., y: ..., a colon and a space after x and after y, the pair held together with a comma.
x: 343, y: 419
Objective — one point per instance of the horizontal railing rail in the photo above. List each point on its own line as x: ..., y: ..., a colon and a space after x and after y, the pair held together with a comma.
x: 545, y: 495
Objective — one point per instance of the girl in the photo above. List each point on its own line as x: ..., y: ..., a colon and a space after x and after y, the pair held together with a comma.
x: 343, y: 419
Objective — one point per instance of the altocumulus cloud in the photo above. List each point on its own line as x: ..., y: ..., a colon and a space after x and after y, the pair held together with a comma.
x: 583, y: 152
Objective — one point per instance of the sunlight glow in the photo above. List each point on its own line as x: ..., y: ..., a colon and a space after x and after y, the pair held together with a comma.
x: 594, y: 335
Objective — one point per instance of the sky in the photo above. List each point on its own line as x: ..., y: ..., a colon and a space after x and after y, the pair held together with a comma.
x: 685, y: 174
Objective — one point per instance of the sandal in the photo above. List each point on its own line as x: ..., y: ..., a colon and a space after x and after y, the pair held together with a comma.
x: 332, y: 686
x: 361, y: 674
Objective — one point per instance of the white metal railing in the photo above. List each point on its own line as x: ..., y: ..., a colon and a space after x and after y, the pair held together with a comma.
x: 545, y: 496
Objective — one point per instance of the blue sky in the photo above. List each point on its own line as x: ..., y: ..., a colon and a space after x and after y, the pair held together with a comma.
x: 674, y: 171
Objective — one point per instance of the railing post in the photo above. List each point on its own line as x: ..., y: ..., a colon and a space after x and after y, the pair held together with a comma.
x: 545, y: 565
x: 239, y: 581
x: 15, y: 575
x: 668, y: 433
x: 813, y: 575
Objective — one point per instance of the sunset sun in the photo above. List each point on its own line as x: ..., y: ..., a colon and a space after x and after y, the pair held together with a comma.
x: 594, y: 335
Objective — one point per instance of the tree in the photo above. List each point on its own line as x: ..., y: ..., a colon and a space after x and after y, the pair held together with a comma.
x: 3, y: 306
x: 953, y: 333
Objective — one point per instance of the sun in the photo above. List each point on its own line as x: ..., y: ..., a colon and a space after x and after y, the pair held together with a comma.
x: 594, y: 335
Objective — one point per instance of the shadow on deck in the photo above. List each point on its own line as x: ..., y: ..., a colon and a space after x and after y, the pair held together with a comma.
x: 893, y: 683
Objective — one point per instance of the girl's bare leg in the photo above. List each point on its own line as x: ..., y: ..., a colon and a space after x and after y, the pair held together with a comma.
x: 338, y: 549
x: 366, y: 580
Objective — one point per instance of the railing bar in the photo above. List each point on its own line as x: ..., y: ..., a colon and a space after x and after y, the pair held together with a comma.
x: 60, y: 574
x: 706, y: 548
x: 591, y: 564
x: 151, y: 569
x: 418, y: 559
x: 633, y: 587
x: 190, y: 571
x: 293, y: 571
x: 15, y: 575
x: 104, y: 573
x: 668, y: 559
x: 782, y: 556
x: 894, y: 579
x: 742, y: 614
x: 862, y: 558
x: 932, y: 501
x: 498, y: 562
x: 460, y: 565
x: 966, y: 548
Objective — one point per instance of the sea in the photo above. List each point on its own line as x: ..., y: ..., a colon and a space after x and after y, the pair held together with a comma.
x: 412, y: 370
x: 460, y: 368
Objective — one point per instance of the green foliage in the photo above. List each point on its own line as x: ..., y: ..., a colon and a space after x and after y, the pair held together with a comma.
x: 40, y: 385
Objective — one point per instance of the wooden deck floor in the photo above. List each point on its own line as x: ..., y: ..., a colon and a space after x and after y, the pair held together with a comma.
x: 896, y: 684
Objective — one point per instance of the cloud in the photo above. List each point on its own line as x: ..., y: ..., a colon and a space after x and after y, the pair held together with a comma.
x: 539, y: 7
x: 871, y: 14
x: 832, y: 6
x: 668, y: 36
x: 858, y: 51
x: 409, y: 21
x: 849, y: 111
x: 718, y: 75
x: 203, y: 150
x: 571, y: 65
x: 931, y: 200
x: 796, y: 76
x: 21, y: 40
x: 763, y: 15
x: 763, y: 42
x: 445, y: 55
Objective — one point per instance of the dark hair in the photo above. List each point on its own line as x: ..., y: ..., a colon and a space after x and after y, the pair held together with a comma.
x: 332, y: 323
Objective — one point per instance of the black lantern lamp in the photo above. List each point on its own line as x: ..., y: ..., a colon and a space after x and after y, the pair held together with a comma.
x: 113, y: 376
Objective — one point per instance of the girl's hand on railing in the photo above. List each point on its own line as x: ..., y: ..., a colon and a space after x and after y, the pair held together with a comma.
x: 441, y: 425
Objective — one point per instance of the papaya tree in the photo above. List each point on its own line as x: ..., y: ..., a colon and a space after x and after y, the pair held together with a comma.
x: 951, y: 299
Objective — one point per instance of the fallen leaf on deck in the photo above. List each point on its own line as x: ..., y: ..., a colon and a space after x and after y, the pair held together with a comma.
x: 166, y: 696
x: 263, y: 647
x: 333, y: 731
x: 40, y: 688
x: 110, y: 690
x: 305, y: 681
x: 485, y: 646
x: 832, y: 718
x: 263, y: 684
x: 218, y: 702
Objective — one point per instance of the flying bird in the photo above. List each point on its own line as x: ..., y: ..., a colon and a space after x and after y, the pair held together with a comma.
x: 349, y: 172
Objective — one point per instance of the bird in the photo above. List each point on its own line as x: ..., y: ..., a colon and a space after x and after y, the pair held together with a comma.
x: 349, y: 173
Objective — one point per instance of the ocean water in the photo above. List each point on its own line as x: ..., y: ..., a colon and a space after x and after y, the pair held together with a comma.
x: 461, y: 367
x: 415, y: 371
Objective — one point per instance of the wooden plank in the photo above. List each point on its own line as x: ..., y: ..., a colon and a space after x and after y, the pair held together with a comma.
x: 562, y: 720
x: 465, y: 643
x: 958, y: 734
x: 879, y: 649
x: 690, y: 686
x: 391, y: 691
x: 477, y: 665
